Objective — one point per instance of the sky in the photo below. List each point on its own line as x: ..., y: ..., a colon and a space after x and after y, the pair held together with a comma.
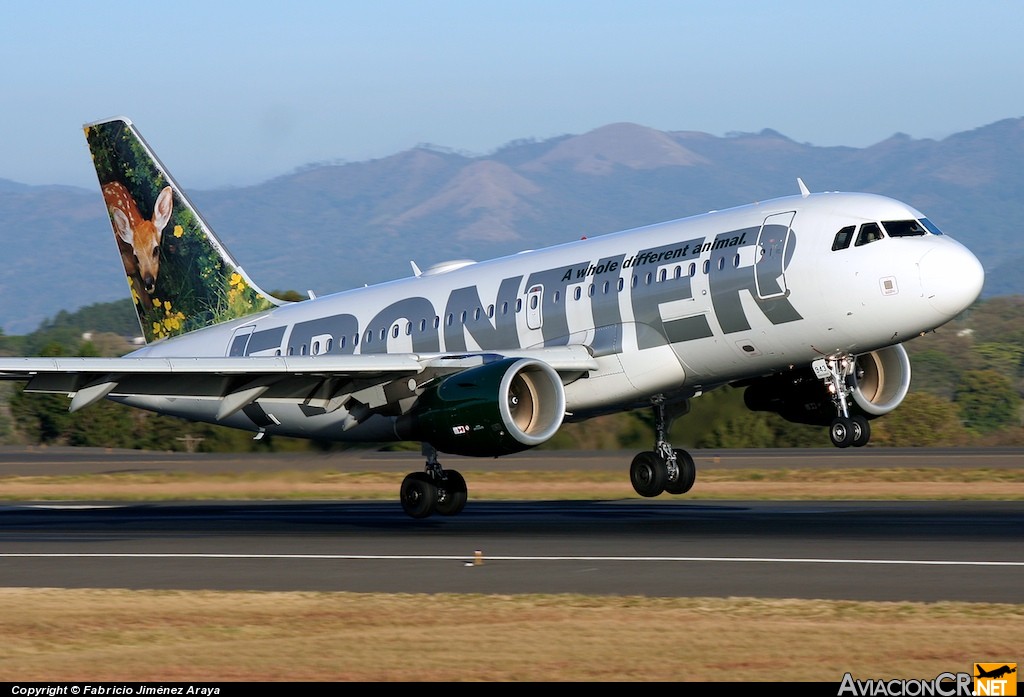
x: 235, y: 93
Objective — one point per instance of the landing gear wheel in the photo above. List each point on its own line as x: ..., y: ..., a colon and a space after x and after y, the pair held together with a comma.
x: 419, y: 495
x: 861, y: 431
x: 648, y: 474
x: 451, y: 494
x: 687, y: 474
x: 841, y: 432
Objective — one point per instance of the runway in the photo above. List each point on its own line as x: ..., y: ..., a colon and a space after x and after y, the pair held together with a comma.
x: 892, y: 551
x: 970, y: 551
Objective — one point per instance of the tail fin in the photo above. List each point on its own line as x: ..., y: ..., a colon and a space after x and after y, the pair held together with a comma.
x: 180, y: 275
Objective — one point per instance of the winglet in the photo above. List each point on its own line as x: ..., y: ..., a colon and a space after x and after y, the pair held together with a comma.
x: 803, y: 188
x: 180, y: 275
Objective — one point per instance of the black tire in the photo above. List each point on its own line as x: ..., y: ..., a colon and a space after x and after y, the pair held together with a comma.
x: 861, y: 431
x: 648, y: 474
x: 687, y: 474
x: 451, y: 494
x: 419, y: 495
x: 841, y: 432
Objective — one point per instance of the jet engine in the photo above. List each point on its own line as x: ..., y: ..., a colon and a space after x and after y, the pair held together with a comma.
x: 495, y: 409
x: 878, y: 385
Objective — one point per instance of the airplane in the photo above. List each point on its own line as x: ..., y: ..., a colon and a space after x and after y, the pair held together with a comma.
x: 994, y: 673
x: 804, y: 301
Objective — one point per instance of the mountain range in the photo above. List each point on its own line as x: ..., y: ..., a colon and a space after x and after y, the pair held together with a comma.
x: 329, y: 226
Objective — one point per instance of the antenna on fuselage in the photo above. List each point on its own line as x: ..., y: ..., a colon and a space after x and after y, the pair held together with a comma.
x: 804, y: 191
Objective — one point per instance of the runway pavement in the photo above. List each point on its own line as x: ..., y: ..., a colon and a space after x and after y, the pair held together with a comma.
x: 899, y: 551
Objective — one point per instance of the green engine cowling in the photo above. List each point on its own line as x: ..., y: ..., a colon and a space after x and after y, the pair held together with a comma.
x: 495, y: 409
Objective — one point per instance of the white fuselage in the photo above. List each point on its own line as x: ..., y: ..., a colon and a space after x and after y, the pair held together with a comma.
x: 674, y: 308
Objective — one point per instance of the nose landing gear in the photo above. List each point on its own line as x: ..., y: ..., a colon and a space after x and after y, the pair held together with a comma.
x: 837, y: 372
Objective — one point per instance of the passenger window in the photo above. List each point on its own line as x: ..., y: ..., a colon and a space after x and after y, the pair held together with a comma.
x: 843, y: 239
x: 869, y: 232
x: 621, y: 285
x: 394, y: 332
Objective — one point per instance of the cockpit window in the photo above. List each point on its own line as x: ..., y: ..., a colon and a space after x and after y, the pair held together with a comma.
x: 930, y: 226
x: 843, y: 239
x: 904, y: 228
x: 869, y: 232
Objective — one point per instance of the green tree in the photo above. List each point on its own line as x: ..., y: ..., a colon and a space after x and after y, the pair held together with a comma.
x: 999, y: 320
x: 41, y: 418
x: 922, y: 420
x: 101, y: 425
x: 743, y: 430
x: 988, y: 401
x: 1004, y: 358
x: 936, y: 372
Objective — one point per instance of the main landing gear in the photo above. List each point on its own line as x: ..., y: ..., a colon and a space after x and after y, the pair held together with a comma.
x: 665, y: 468
x: 837, y: 372
x: 435, y: 490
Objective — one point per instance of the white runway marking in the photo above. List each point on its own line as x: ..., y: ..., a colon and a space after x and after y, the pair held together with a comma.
x: 434, y: 557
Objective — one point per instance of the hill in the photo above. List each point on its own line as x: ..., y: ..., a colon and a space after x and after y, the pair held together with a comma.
x: 333, y: 226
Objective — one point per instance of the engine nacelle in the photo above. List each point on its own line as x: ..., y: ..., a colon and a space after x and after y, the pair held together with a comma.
x: 495, y: 409
x: 880, y: 382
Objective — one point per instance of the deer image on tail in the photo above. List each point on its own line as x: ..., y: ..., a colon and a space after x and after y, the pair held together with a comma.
x: 137, y: 238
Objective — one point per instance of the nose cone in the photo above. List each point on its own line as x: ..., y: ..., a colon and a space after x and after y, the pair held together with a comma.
x: 951, y: 277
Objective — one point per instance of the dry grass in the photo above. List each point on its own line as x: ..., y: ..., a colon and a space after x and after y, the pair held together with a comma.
x: 113, y: 635
x: 776, y: 484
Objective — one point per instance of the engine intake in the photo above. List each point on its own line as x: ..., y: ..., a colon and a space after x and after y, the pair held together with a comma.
x: 882, y: 380
x: 495, y: 409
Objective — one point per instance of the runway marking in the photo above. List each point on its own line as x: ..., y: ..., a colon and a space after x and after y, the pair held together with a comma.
x: 420, y: 557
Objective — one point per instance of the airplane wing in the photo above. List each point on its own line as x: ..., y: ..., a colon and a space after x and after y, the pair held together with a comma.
x: 319, y: 381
